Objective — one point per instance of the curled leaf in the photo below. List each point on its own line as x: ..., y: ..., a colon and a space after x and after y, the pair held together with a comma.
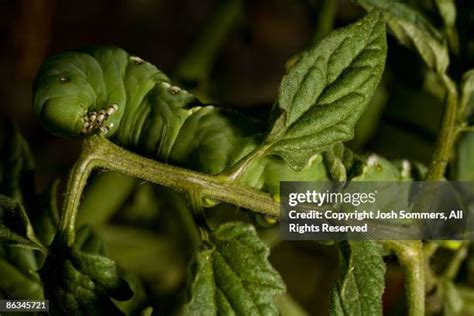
x: 412, y: 29
x: 81, y: 281
x: 16, y: 167
x: 467, y: 90
x: 15, y: 226
x: 338, y: 160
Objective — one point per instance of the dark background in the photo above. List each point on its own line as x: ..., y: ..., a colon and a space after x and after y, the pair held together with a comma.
x: 245, y: 73
x: 159, y: 31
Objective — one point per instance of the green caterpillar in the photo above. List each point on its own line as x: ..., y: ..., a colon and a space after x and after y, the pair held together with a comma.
x: 134, y: 104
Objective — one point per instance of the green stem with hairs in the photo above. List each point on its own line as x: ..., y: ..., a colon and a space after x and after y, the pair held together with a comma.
x: 100, y: 153
x: 449, y: 131
x: 410, y: 255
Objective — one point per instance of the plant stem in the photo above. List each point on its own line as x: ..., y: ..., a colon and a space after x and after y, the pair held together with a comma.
x: 455, y: 262
x: 197, y: 64
x: 410, y: 255
x: 450, y: 128
x: 429, y: 250
x: 448, y: 133
x: 76, y: 182
x: 325, y: 22
x: 98, y: 152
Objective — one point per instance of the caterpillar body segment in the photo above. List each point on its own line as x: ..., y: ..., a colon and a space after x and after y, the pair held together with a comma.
x: 131, y: 102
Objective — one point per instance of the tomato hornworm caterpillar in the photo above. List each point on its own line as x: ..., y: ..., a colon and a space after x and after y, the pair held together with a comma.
x: 131, y: 102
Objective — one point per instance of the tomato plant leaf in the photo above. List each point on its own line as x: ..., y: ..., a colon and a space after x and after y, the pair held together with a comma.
x: 16, y: 167
x: 447, y: 10
x: 17, y: 263
x: 412, y: 29
x: 359, y: 292
x: 465, y: 149
x: 15, y: 226
x: 467, y: 90
x: 19, y: 278
x: 45, y: 222
x: 81, y: 281
x: 326, y: 91
x: 453, y: 302
x: 20, y: 205
x: 234, y: 277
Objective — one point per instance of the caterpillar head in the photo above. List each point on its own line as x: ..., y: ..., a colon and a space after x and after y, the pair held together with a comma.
x: 77, y: 93
x: 63, y: 94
